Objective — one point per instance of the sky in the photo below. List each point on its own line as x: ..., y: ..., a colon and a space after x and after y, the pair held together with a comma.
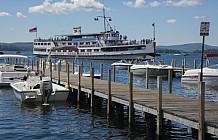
x: 176, y: 21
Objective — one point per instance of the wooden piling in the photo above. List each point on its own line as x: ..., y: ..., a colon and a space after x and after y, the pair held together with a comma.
x: 92, y: 87
x: 68, y: 73
x: 201, y: 101
x: 131, y: 98
x: 207, y: 63
x: 79, y: 85
x: 55, y: 66
x: 183, y: 67
x: 109, y: 95
x: 66, y: 63
x: 174, y: 62
x: 50, y: 69
x: 184, y: 60
x: 59, y: 71
x: 114, y: 72
x: 43, y: 67
x: 73, y: 67
x: 170, y: 79
x: 37, y: 66
x: 32, y: 64
x: 147, y: 78
x: 195, y: 64
x: 159, y: 106
x: 101, y: 71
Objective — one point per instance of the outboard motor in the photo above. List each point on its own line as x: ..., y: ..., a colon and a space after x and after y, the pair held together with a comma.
x: 46, y: 90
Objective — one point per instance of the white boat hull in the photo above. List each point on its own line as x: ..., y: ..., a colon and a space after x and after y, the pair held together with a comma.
x: 210, y: 76
x: 155, y: 68
x: 33, y: 95
x: 121, y: 66
x: 153, y: 72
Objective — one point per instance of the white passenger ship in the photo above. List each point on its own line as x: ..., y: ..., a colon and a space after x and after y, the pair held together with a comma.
x: 109, y: 45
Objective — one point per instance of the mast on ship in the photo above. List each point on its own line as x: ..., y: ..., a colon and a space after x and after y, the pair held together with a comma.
x: 105, y: 20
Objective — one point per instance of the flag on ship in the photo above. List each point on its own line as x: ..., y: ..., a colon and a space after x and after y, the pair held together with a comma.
x: 77, y: 30
x: 33, y: 29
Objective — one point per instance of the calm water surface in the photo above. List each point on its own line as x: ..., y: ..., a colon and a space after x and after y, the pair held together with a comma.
x: 65, y: 121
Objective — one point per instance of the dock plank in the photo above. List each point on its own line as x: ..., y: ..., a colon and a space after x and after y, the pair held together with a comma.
x: 176, y: 108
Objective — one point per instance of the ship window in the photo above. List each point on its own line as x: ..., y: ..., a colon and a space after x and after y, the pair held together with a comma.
x: 41, y: 43
x: 45, y: 43
x: 81, y: 43
x: 38, y: 43
x: 82, y: 50
x: 96, y: 50
x: 69, y: 43
x: 89, y: 50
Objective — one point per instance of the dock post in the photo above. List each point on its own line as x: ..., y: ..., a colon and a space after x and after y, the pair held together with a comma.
x: 40, y: 60
x: 92, y: 87
x: 114, y: 71
x: 55, y: 66
x: 66, y: 62
x: 81, y: 68
x: 101, y: 71
x: 79, y: 85
x: 201, y: 103
x: 37, y: 66
x: 174, y: 63
x: 147, y: 78
x: 59, y: 72
x: 68, y: 73
x: 170, y: 79
x: 195, y: 64
x: 130, y: 98
x: 159, y: 106
x: 32, y: 63
x: 109, y: 95
x: 73, y: 68
x: 207, y: 63
x: 183, y: 67
x: 50, y: 69
x: 43, y: 67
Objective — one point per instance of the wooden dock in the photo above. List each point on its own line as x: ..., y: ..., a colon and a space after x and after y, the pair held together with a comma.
x: 173, y: 107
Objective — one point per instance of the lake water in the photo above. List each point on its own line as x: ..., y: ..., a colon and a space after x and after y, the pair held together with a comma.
x: 65, y: 121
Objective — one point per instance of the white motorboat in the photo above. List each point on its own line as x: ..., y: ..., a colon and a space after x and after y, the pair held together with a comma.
x: 156, y: 68
x: 210, y: 76
x: 122, y: 64
x: 36, y: 90
x: 13, y: 68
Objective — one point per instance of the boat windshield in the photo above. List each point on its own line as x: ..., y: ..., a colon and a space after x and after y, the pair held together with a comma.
x: 214, y: 66
x: 18, y: 61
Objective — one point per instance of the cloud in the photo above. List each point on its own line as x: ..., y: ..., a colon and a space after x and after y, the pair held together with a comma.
x: 171, y: 21
x: 182, y: 3
x: 155, y: 4
x: 136, y: 4
x: 65, y: 7
x: 4, y: 14
x: 20, y: 15
x: 199, y: 17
